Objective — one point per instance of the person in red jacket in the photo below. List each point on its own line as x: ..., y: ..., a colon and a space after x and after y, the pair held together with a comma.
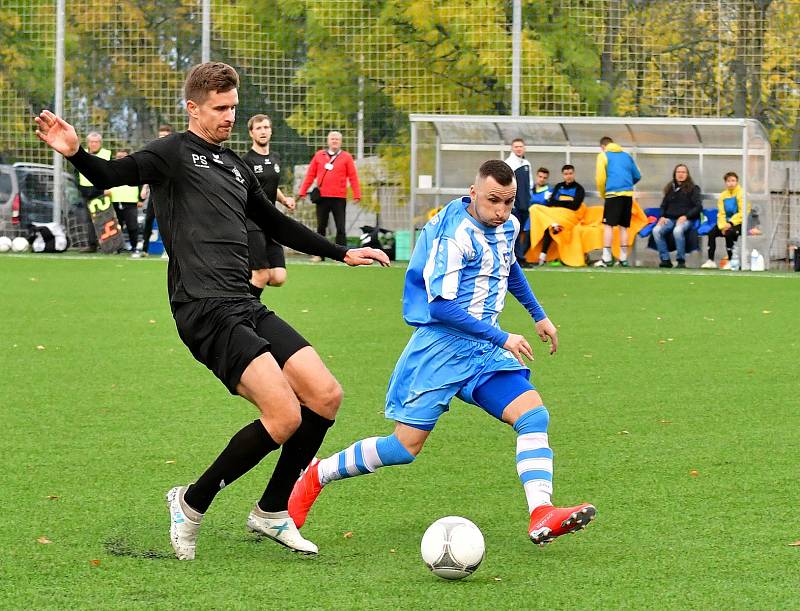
x: 331, y: 169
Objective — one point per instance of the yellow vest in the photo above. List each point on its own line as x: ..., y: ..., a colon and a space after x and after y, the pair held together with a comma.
x: 103, y: 154
x: 125, y: 194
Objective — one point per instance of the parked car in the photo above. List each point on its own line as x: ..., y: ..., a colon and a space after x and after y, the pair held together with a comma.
x: 26, y: 196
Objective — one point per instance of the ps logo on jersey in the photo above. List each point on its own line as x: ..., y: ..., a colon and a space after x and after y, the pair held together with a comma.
x: 217, y: 159
x: 258, y: 169
x: 238, y: 175
x: 199, y: 161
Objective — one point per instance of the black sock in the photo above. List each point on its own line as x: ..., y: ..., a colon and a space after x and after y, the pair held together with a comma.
x: 255, y: 291
x: 243, y: 452
x: 297, y: 452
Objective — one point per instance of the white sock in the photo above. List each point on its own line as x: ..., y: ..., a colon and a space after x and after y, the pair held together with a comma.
x: 623, y: 253
x: 542, y: 257
x: 535, y: 468
x: 606, y: 254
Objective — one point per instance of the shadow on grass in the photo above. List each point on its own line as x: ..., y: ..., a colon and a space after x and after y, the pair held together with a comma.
x: 120, y: 547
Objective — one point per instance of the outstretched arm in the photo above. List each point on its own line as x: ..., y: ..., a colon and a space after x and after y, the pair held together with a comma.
x: 519, y: 287
x: 61, y: 137
x: 285, y: 230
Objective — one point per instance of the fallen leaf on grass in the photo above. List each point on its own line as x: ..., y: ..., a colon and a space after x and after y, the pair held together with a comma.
x: 34, y: 279
x: 52, y: 497
x: 169, y: 462
x: 665, y: 421
x: 304, y: 311
x: 498, y: 579
x: 694, y: 472
x: 43, y: 540
x: 94, y: 562
x: 624, y: 433
x: 587, y: 356
x: 40, y: 347
x: 662, y: 341
x: 766, y: 311
x: 348, y: 534
x: 392, y: 551
x: 795, y: 544
x: 151, y: 321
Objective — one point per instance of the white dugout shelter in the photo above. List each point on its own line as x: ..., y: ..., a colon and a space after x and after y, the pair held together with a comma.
x: 446, y: 151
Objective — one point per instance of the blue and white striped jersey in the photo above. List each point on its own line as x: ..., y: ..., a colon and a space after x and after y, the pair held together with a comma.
x: 458, y: 258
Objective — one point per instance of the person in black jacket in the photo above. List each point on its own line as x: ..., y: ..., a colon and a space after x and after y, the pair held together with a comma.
x: 680, y: 207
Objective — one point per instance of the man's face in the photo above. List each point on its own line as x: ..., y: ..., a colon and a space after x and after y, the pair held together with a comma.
x: 491, y: 203
x: 261, y: 132
x: 518, y: 148
x: 94, y: 143
x: 541, y: 179
x: 731, y: 182
x: 334, y: 142
x: 215, y: 117
x: 569, y: 175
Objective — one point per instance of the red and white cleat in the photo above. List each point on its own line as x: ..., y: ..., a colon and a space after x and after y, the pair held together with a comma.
x: 305, y: 492
x: 548, y: 522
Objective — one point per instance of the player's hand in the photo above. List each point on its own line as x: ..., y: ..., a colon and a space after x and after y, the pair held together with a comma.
x: 289, y: 203
x: 57, y: 133
x: 519, y: 347
x: 726, y: 228
x: 365, y: 256
x: 557, y: 228
x: 681, y: 219
x: 662, y: 221
x: 546, y: 329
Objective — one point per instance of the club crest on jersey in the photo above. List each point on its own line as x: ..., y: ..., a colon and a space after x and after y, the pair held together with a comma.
x: 238, y: 175
x: 258, y: 169
x: 199, y: 161
x: 216, y: 158
x: 277, y: 169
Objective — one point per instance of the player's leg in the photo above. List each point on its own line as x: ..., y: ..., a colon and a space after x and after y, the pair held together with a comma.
x: 547, y: 241
x: 219, y: 335
x: 339, y: 209
x: 132, y: 223
x: 609, y: 221
x: 625, y: 213
x: 149, y: 218
x: 509, y: 396
x: 660, y: 232
x: 277, y: 264
x: 259, y: 265
x: 679, y: 233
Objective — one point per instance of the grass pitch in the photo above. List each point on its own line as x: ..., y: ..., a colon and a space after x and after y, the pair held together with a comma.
x: 674, y: 408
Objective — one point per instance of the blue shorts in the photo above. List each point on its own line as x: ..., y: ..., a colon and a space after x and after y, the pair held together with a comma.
x: 437, y: 365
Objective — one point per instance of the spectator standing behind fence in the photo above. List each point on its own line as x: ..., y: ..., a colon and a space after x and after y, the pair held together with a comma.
x: 681, y: 206
x: 615, y: 173
x: 332, y: 169
x: 163, y: 130
x: 89, y: 193
x: 729, y: 220
x: 126, y: 204
x: 522, y: 202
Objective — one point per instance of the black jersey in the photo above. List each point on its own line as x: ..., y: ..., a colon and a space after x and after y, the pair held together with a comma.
x: 267, y: 169
x: 205, y: 193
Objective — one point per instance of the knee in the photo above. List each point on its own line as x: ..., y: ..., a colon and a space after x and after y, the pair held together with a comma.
x: 277, y: 277
x: 283, y: 425
x: 327, y: 399
x: 535, y: 420
x: 260, y: 277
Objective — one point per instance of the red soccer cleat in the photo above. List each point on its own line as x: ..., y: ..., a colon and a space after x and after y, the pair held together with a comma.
x: 305, y: 492
x: 548, y: 522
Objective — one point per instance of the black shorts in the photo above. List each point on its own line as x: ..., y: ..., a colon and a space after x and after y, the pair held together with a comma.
x: 264, y: 252
x: 617, y: 211
x: 226, y: 334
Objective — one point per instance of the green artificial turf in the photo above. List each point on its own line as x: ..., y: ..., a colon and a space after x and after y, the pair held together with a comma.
x: 674, y: 409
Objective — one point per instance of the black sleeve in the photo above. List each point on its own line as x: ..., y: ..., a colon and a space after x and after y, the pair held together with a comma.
x: 286, y: 230
x: 554, y: 196
x: 158, y: 160
x: 664, y: 204
x: 106, y: 174
x: 697, y: 204
x: 580, y: 194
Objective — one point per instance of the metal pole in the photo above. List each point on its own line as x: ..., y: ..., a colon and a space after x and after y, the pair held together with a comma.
x: 516, y: 55
x: 412, y: 200
x: 360, y: 118
x: 58, y: 160
x: 205, y: 49
x: 744, y: 261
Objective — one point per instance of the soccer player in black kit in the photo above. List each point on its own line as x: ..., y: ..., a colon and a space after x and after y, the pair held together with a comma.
x: 205, y: 194
x: 267, y: 260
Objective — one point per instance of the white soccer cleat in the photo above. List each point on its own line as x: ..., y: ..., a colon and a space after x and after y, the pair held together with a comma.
x: 709, y: 265
x: 279, y: 527
x: 182, y: 530
x: 601, y: 263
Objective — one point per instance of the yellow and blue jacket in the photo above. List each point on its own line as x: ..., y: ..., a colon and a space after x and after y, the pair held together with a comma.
x: 729, y: 207
x: 616, y: 172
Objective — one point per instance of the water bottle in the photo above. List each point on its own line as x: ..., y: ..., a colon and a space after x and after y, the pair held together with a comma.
x: 756, y: 261
x: 735, y: 263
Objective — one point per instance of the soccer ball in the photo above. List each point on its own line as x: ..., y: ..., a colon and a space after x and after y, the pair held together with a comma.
x: 5, y: 244
x: 19, y: 245
x: 452, y: 547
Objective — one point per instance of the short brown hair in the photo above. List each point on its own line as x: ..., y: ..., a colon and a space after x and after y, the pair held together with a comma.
x: 729, y: 174
x: 606, y: 140
x: 517, y: 140
x: 497, y: 169
x: 543, y: 171
x: 207, y: 78
x: 166, y: 127
x: 257, y: 119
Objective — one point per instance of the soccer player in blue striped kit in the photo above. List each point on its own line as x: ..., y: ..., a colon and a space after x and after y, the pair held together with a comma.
x: 455, y: 289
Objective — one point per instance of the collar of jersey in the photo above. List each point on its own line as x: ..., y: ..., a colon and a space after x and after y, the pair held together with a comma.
x: 217, y: 148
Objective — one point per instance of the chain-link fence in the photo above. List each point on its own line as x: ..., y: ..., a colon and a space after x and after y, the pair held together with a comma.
x: 361, y: 66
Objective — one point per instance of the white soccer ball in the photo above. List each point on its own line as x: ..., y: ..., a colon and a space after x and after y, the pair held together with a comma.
x: 20, y: 245
x: 5, y: 244
x: 452, y: 547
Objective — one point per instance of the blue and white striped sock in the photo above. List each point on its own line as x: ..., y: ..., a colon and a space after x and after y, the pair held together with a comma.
x: 534, y: 457
x: 364, y: 457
